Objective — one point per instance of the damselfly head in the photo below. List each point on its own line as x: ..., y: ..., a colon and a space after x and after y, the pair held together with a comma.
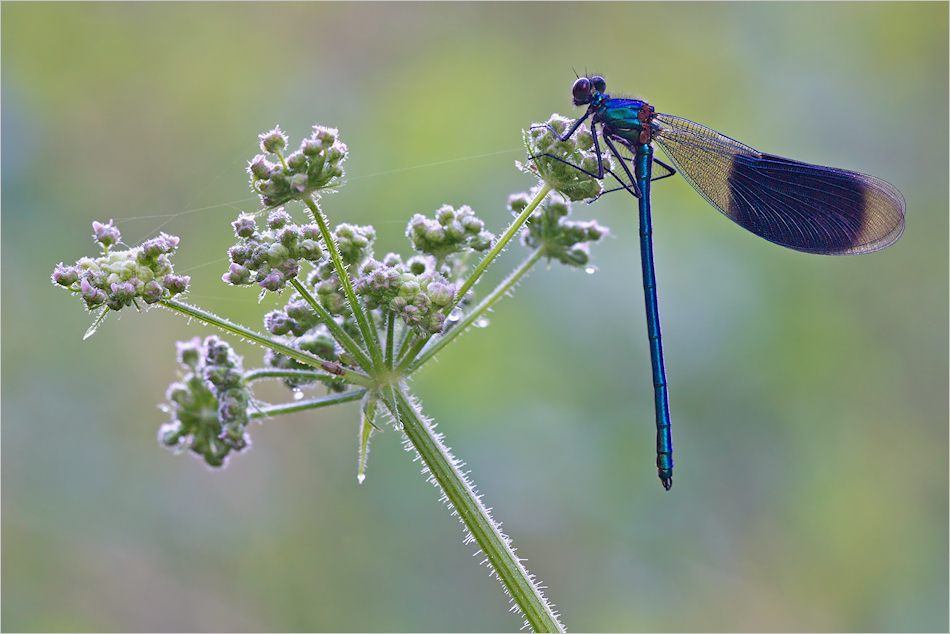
x: 581, y: 91
x: 584, y: 88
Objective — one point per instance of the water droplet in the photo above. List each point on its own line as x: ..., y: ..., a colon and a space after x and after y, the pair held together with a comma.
x: 481, y: 322
x: 361, y: 477
x: 298, y: 394
x: 590, y: 270
x: 455, y: 315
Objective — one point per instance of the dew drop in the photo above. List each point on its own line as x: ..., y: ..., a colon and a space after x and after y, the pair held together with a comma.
x: 298, y: 394
x: 455, y: 315
x: 481, y: 322
x: 590, y: 270
x: 361, y: 477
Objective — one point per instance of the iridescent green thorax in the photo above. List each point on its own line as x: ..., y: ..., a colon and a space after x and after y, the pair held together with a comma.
x: 624, y: 118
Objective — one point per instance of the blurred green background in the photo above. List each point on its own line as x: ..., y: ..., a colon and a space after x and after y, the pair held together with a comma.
x: 809, y: 394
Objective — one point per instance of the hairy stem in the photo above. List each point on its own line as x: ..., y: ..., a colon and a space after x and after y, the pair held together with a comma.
x: 410, y: 356
x: 289, y: 373
x: 350, y: 376
x: 458, y: 490
x: 483, y: 306
x: 349, y: 344
x: 390, y: 337
x: 310, y: 403
x: 505, y: 238
x: 369, y: 334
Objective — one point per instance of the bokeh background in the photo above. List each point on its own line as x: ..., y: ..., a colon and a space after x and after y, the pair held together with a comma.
x: 809, y: 393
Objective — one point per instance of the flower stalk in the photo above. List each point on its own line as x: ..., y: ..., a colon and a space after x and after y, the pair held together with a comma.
x: 443, y: 467
x: 349, y: 375
x: 357, y: 325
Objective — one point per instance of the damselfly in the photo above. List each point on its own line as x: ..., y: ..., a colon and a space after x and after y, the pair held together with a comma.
x: 804, y: 207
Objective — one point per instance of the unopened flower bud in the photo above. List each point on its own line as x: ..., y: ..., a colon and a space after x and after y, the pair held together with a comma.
x: 244, y: 226
x: 273, y: 141
x: 105, y: 234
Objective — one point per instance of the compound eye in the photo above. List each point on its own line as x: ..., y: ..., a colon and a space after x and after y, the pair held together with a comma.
x: 599, y: 84
x: 581, y: 91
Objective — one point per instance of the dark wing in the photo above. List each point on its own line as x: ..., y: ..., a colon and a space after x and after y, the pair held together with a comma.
x: 797, y: 205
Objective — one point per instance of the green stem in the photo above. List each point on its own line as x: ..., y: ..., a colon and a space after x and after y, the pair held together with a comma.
x: 285, y: 373
x: 474, y: 515
x: 500, y: 291
x: 349, y: 344
x: 312, y: 403
x: 390, y: 337
x: 500, y: 245
x: 404, y: 332
x: 350, y: 376
x: 369, y: 335
x: 407, y: 359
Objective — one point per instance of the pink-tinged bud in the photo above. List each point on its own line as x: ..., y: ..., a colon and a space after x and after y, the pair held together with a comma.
x: 273, y: 281
x: 152, y: 292
x: 260, y: 168
x: 273, y: 141
x: 237, y: 275
x: 106, y: 235
x: 93, y: 296
x: 177, y: 283
x: 65, y: 275
x: 244, y: 226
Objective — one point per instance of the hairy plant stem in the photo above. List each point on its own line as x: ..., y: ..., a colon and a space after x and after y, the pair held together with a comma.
x: 390, y: 336
x: 349, y: 344
x: 350, y: 376
x: 410, y: 356
x: 306, y: 404
x: 483, y: 306
x: 288, y: 373
x: 368, y: 333
x: 384, y: 382
x: 500, y: 245
x: 444, y: 469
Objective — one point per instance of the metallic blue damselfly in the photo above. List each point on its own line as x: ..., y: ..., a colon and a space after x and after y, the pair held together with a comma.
x: 805, y: 207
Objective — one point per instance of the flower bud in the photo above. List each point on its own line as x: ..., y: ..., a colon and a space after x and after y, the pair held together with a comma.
x: 177, y: 283
x: 274, y: 281
x: 278, y: 218
x: 237, y: 275
x: 278, y: 323
x: 273, y: 141
x: 152, y: 292
x: 106, y: 235
x: 260, y: 168
x: 299, y: 182
x: 65, y: 275
x: 297, y: 160
x: 245, y: 226
x: 311, y: 147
